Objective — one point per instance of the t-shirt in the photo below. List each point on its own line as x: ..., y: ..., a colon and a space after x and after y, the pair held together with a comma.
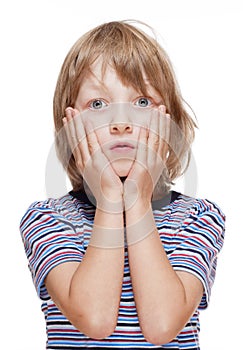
x: 57, y: 231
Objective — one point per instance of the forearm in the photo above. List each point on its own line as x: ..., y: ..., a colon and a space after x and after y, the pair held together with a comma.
x: 159, y: 293
x: 96, y: 285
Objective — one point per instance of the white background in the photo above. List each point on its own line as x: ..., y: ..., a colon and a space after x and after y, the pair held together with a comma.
x: 204, y: 42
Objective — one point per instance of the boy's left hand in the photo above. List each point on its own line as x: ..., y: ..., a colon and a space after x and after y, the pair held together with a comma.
x: 150, y: 160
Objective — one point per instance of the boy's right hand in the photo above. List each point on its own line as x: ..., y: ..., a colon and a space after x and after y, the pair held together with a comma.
x: 92, y: 163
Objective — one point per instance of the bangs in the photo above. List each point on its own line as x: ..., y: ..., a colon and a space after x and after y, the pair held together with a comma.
x: 133, y: 55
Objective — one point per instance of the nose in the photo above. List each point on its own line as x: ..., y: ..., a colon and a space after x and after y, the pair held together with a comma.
x: 121, y: 128
x: 121, y: 119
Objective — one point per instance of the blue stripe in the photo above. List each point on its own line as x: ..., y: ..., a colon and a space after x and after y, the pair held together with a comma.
x: 58, y: 230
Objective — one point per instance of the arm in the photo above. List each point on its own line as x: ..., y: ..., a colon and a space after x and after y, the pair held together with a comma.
x: 88, y: 293
x: 165, y: 299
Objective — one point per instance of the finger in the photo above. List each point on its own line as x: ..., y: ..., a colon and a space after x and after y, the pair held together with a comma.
x: 141, y: 155
x: 70, y: 129
x: 153, y: 138
x: 164, y: 133
x: 162, y: 126
x: 98, y: 161
x: 167, y: 123
x: 82, y: 142
x: 92, y: 140
x: 72, y: 136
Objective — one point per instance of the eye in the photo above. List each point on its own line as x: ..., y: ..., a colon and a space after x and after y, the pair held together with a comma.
x: 143, y: 102
x: 97, y: 104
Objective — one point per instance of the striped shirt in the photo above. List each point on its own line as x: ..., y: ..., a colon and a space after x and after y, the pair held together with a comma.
x: 57, y: 231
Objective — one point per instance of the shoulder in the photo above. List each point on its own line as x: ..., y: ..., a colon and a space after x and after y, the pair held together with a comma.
x: 51, y: 237
x: 39, y: 216
x: 67, y: 206
x: 196, y: 207
x: 50, y: 206
x: 62, y: 211
x: 53, y: 204
x: 189, y: 216
x: 200, y: 219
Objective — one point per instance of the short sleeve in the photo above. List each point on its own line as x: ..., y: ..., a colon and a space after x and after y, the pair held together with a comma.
x: 199, y: 240
x: 49, y: 240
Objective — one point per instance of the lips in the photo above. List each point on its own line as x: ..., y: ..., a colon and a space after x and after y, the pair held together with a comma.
x: 122, y: 146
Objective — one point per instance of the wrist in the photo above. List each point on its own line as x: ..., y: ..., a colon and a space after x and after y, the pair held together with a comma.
x: 136, y: 204
x: 135, y: 198
x: 110, y: 206
x: 106, y: 200
x: 139, y: 224
x: 108, y: 230
x: 107, y: 237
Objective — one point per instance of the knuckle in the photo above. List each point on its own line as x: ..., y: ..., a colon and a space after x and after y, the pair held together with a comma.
x: 79, y: 164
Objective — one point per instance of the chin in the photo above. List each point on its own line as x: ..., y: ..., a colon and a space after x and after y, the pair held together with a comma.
x: 122, y: 168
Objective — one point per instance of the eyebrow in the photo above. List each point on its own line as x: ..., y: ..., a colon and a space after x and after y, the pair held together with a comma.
x: 97, y: 86
x: 93, y: 81
x: 94, y: 84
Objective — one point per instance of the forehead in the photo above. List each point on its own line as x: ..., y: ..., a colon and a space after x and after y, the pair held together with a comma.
x: 100, y: 73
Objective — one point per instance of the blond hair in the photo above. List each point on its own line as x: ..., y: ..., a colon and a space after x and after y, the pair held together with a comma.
x: 131, y: 52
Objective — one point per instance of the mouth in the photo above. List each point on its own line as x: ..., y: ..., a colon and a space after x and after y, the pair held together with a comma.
x: 122, y: 147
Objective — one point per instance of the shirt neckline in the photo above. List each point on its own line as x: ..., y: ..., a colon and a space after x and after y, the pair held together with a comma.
x: 169, y: 198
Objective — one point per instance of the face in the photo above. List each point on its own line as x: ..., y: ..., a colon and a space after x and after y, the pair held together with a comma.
x: 117, y: 113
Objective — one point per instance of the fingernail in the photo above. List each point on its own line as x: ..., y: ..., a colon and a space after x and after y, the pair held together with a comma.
x: 68, y: 111
x: 162, y: 108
